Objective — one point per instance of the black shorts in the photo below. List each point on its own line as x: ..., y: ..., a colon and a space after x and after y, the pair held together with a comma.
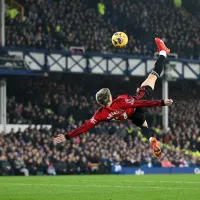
x: 143, y: 93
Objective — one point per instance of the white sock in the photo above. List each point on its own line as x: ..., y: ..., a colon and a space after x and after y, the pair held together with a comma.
x: 163, y: 53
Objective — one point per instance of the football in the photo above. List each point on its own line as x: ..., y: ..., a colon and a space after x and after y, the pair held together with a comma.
x: 119, y: 39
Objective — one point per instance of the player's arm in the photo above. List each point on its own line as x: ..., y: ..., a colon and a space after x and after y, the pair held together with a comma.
x: 85, y: 127
x: 82, y: 129
x: 132, y: 103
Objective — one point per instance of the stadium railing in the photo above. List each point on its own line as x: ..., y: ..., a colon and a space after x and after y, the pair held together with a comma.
x: 15, y: 127
x: 99, y: 63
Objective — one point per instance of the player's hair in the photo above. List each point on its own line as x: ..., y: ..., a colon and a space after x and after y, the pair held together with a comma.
x: 103, y: 96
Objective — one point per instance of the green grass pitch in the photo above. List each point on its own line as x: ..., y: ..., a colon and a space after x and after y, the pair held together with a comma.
x: 101, y: 187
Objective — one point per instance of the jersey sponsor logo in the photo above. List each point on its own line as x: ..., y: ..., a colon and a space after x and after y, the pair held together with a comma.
x: 121, y: 114
x: 93, y: 121
x: 114, y: 113
x: 125, y: 115
x: 129, y: 101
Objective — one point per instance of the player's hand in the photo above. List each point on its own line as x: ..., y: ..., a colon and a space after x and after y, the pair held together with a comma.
x: 168, y: 102
x: 59, y: 138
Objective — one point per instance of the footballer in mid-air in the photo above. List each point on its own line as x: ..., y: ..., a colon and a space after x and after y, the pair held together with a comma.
x: 127, y: 106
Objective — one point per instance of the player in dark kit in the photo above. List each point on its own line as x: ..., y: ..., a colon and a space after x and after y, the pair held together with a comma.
x: 127, y: 106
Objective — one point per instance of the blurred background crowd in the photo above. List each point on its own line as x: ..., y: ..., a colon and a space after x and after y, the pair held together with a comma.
x: 59, y: 24
x: 67, y: 101
x: 32, y: 152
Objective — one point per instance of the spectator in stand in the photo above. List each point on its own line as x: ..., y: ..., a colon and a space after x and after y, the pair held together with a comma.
x: 50, y: 168
x: 83, y: 166
x: 5, y: 167
x: 19, y: 166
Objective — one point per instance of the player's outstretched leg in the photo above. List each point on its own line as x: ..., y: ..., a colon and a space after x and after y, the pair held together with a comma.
x: 150, y: 84
x: 154, y: 143
x: 156, y: 72
x: 145, y: 93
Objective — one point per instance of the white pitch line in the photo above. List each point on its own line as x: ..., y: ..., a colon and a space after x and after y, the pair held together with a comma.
x: 105, y: 186
x: 178, y: 182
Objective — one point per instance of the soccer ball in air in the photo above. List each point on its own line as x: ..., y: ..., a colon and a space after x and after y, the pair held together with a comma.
x: 119, y: 39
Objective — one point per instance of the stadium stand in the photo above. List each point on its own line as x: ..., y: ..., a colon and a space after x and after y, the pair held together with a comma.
x: 142, y: 20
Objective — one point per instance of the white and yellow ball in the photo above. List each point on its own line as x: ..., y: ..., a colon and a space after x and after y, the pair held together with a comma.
x: 119, y: 39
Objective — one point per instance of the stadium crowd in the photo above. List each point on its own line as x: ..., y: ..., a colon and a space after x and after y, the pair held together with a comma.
x: 66, y: 103
x: 33, y: 152
x: 59, y: 24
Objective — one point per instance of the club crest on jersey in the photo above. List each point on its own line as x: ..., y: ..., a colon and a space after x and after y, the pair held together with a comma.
x: 129, y: 101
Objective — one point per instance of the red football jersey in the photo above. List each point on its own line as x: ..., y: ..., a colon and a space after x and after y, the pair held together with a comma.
x: 121, y: 109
